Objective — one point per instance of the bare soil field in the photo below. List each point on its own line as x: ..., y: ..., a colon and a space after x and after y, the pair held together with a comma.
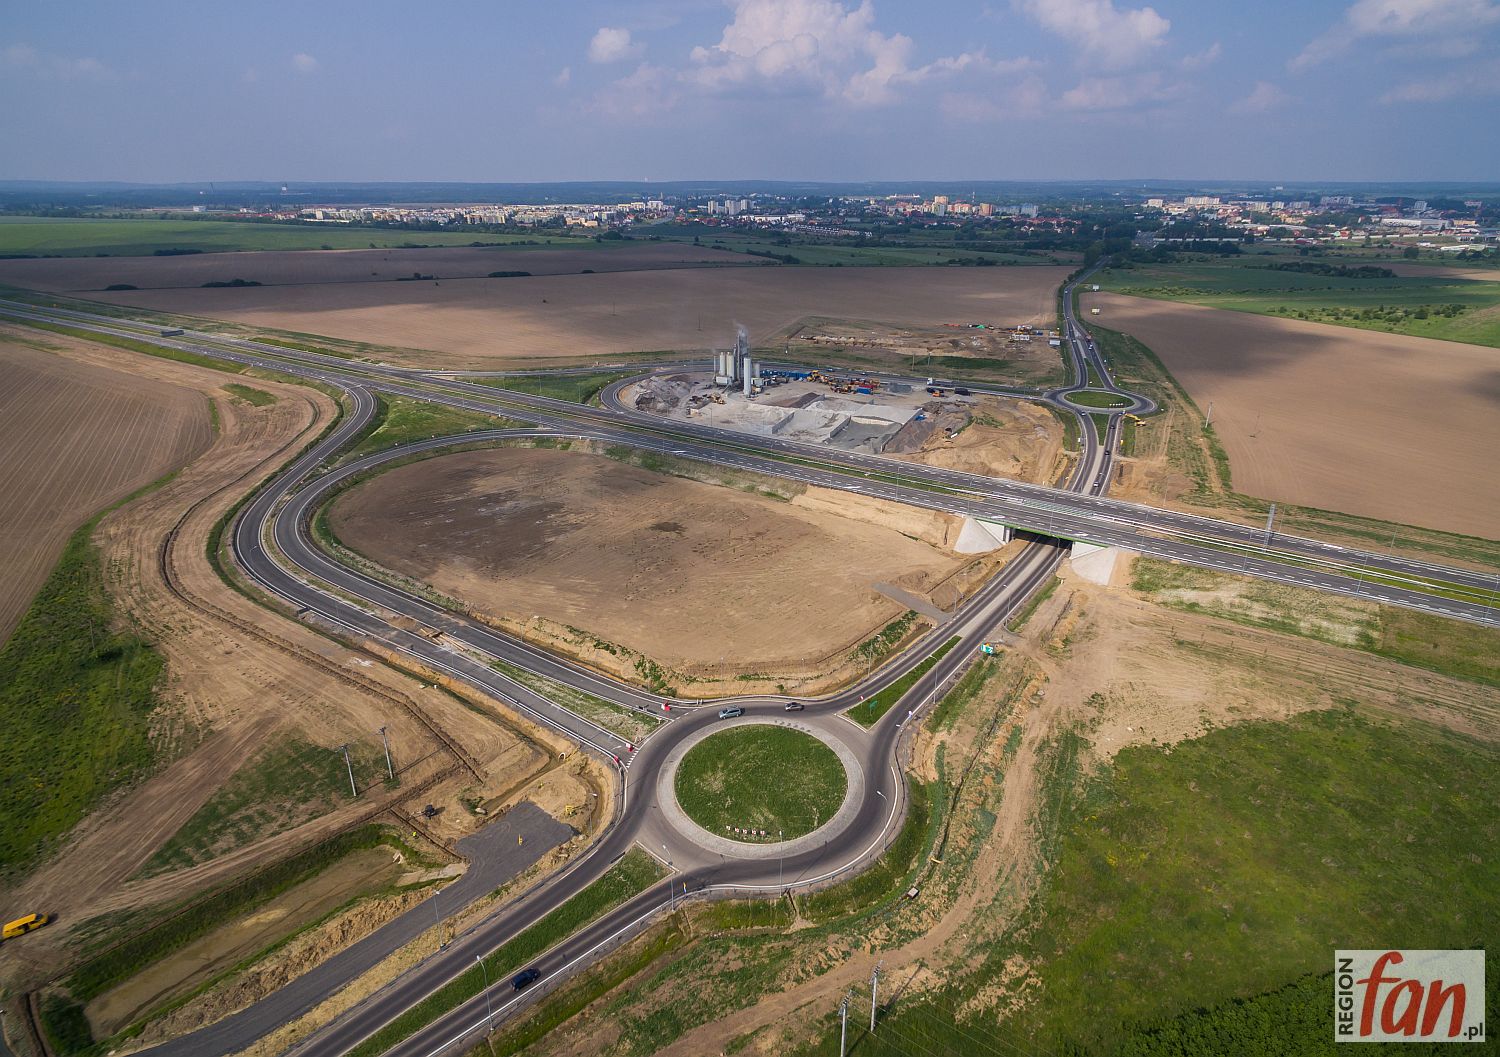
x: 1382, y: 425
x: 74, y: 439
x: 1006, y: 438
x: 731, y: 581
x: 484, y: 323
x: 303, y: 267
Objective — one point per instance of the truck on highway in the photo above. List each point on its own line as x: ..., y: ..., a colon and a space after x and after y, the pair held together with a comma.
x: 21, y: 926
x: 171, y: 332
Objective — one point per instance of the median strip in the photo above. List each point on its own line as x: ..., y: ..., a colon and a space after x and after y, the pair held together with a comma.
x: 868, y: 712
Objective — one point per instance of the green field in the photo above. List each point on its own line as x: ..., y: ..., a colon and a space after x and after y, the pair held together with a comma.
x: 1431, y: 306
x: 722, y: 781
x: 82, y: 237
x: 1226, y: 868
x: 78, y: 696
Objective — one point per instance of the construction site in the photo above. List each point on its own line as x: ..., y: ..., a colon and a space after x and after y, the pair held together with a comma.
x: 842, y: 408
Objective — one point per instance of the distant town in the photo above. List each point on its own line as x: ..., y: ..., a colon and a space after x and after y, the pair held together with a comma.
x: 1449, y: 225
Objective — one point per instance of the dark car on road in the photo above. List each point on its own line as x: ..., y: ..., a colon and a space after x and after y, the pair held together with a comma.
x: 730, y: 713
x: 525, y: 978
x: 794, y: 706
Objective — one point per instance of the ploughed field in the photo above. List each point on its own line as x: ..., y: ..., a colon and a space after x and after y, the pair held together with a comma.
x: 84, y: 275
x: 695, y: 576
x: 658, y: 304
x: 1383, y: 425
x: 74, y: 438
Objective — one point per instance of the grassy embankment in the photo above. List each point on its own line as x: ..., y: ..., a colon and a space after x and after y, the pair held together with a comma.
x: 403, y: 419
x: 580, y: 388
x: 176, y: 927
x: 286, y: 784
x: 1224, y: 870
x: 636, y: 872
x: 85, y: 237
x: 721, y: 782
x: 249, y: 394
x: 626, y: 722
x: 1431, y: 306
x: 1192, y: 449
x: 868, y: 712
x: 1407, y: 635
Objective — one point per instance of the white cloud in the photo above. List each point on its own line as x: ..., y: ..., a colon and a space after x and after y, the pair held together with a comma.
x: 1389, y: 20
x: 1109, y: 36
x: 563, y: 76
x: 1263, y: 98
x: 1207, y: 57
x: 613, y: 45
x: 818, y: 46
x: 1474, y: 82
x: 1119, y: 93
x: 304, y: 63
x: 23, y: 58
x: 647, y: 91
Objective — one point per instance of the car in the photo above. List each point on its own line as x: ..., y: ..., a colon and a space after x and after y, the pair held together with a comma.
x: 525, y: 978
x: 794, y: 706
x: 730, y: 713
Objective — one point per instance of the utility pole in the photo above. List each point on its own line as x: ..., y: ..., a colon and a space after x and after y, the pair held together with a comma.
x: 1208, y: 419
x: 386, y: 741
x: 344, y: 748
x: 844, y: 1026
x: 874, y: 995
x: 1270, y: 524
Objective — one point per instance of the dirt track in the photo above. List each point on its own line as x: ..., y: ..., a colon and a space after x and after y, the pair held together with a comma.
x: 487, y: 322
x: 1383, y: 425
x: 74, y: 439
x: 730, y: 580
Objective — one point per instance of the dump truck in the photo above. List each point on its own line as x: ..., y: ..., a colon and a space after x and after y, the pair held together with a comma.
x: 21, y: 926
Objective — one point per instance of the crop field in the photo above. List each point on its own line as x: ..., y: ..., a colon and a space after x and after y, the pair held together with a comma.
x: 481, y: 322
x: 74, y: 439
x: 590, y: 544
x: 1430, y: 302
x: 85, y: 237
x: 413, y: 266
x: 1380, y: 425
x: 721, y: 782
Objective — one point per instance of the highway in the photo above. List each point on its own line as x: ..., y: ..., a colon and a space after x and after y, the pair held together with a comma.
x: 272, y: 542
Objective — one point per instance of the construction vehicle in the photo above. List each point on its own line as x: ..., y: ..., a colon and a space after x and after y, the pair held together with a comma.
x: 988, y: 649
x: 21, y: 926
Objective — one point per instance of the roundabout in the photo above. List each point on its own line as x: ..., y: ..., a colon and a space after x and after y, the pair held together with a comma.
x: 757, y: 788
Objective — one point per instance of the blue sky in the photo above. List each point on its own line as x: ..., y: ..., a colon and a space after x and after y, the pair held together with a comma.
x: 770, y: 89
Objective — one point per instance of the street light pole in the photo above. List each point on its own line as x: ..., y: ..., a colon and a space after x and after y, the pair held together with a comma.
x: 344, y: 748
x: 489, y: 1008
x: 386, y: 741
